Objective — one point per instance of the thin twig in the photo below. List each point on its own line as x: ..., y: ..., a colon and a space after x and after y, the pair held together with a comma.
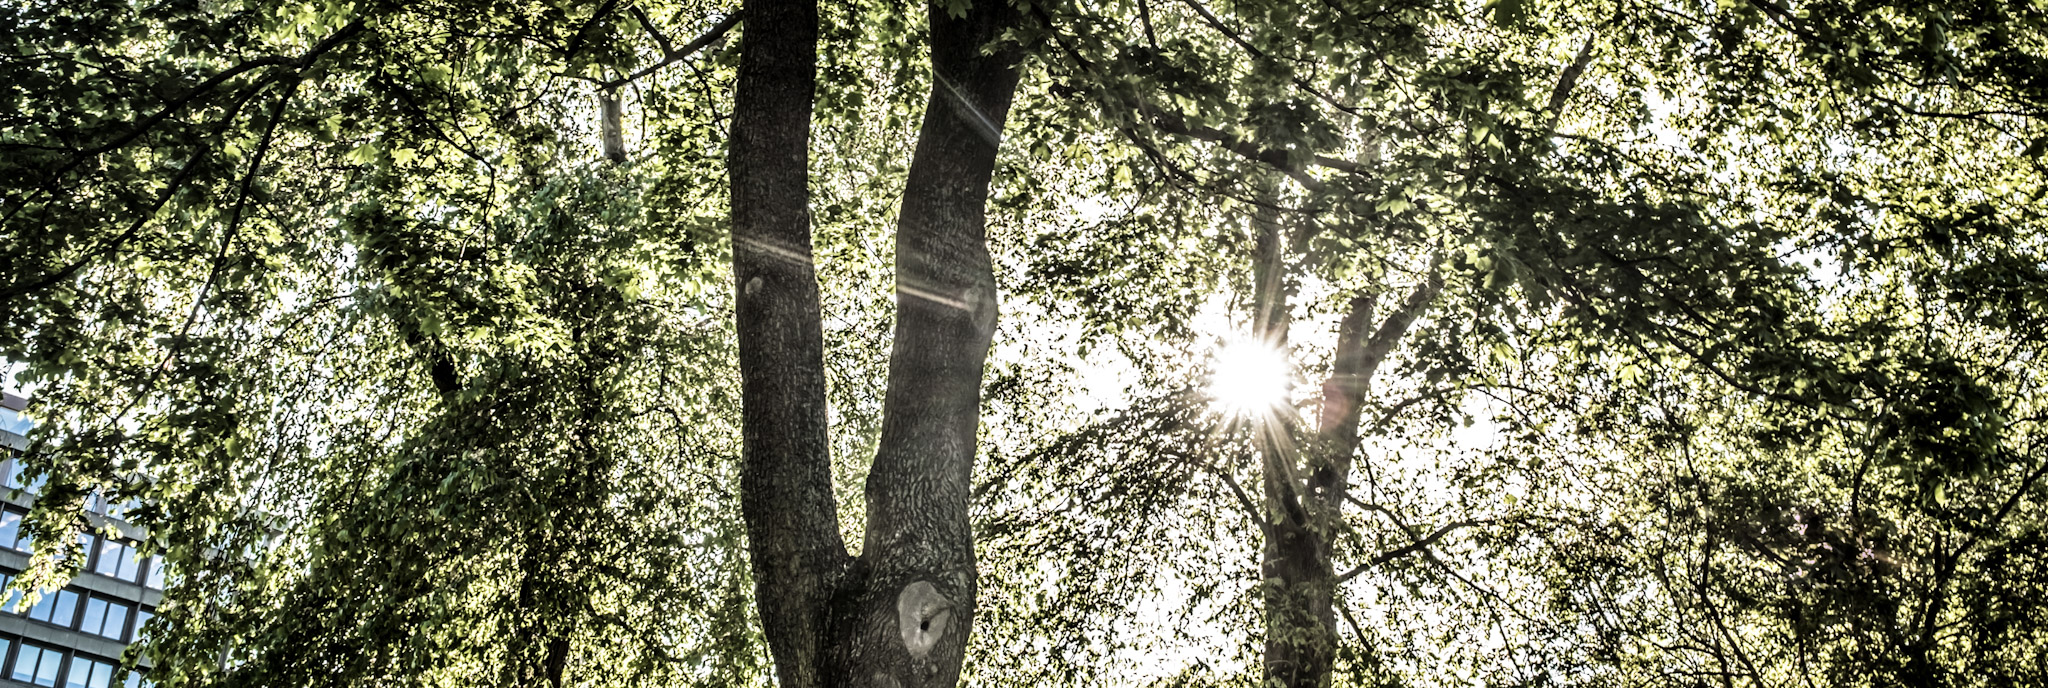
x: 670, y: 57
x: 204, y: 87
x: 1411, y: 547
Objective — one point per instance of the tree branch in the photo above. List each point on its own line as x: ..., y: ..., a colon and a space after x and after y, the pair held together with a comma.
x: 1215, y: 23
x: 1345, y: 391
x: 1410, y: 548
x: 1145, y: 18
x: 654, y: 32
x: 1251, y: 509
x: 576, y: 41
x: 204, y: 87
x: 1397, y: 323
x: 670, y: 57
x: 1279, y: 159
x: 1566, y: 82
x: 1174, y: 123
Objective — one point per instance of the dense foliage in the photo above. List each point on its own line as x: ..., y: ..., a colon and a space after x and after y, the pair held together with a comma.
x: 1701, y: 342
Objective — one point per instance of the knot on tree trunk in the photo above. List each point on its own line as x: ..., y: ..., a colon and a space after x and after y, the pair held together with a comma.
x: 921, y: 617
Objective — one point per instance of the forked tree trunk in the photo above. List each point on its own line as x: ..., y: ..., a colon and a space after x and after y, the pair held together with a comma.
x: 1295, y: 573
x: 786, y: 474
x: 1306, y: 489
x: 1306, y: 485
x: 898, y: 615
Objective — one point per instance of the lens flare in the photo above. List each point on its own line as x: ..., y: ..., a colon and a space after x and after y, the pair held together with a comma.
x: 1251, y: 377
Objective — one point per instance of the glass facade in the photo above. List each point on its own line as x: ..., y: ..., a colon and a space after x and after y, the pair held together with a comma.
x: 38, y: 664
x: 12, y: 421
x: 73, y: 636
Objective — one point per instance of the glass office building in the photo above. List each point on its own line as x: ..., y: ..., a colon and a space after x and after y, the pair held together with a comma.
x: 75, y: 636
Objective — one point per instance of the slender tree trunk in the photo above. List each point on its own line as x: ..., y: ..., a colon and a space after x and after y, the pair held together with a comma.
x: 1306, y: 486
x: 1301, y: 618
x: 1295, y: 572
x: 897, y: 616
x: 908, y: 610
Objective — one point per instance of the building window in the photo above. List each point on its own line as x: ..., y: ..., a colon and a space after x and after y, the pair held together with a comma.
x: 87, y: 673
x: 120, y: 559
x: 37, y: 665
x: 13, y: 472
x: 11, y: 535
x: 13, y: 605
x: 123, y: 508
x: 116, y: 559
x: 12, y: 421
x: 105, y: 618
x: 142, y: 617
x: 104, y: 503
x: 60, y: 608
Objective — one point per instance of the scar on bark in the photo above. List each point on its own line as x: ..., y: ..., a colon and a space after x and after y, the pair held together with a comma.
x: 921, y: 617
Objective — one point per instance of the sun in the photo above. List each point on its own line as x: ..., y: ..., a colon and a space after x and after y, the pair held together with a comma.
x: 1251, y: 377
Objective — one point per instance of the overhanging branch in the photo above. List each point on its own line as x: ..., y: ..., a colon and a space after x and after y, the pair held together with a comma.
x: 179, y: 103
x: 1411, y: 548
x: 1286, y: 162
x: 672, y: 56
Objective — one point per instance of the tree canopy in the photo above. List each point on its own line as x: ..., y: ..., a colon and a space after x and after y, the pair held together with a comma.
x: 649, y: 342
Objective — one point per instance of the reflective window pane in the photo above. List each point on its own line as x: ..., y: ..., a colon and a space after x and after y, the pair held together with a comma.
x: 86, y: 673
x: 95, y: 615
x: 14, y: 474
x: 67, y: 608
x: 109, y: 561
x: 46, y: 670
x: 81, y: 670
x: 117, y: 621
x: 44, y: 606
x: 24, y: 668
x: 36, y: 665
x: 14, y: 422
x: 10, y: 529
x: 130, y: 568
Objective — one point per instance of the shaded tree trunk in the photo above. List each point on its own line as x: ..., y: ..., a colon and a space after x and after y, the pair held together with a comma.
x: 899, y: 614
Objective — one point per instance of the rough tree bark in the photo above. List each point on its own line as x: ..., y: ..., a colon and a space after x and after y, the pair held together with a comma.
x: 898, y: 615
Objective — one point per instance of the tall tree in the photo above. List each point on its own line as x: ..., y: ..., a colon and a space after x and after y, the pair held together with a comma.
x: 899, y: 612
x: 353, y: 303
x: 417, y: 311
x: 1445, y: 158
